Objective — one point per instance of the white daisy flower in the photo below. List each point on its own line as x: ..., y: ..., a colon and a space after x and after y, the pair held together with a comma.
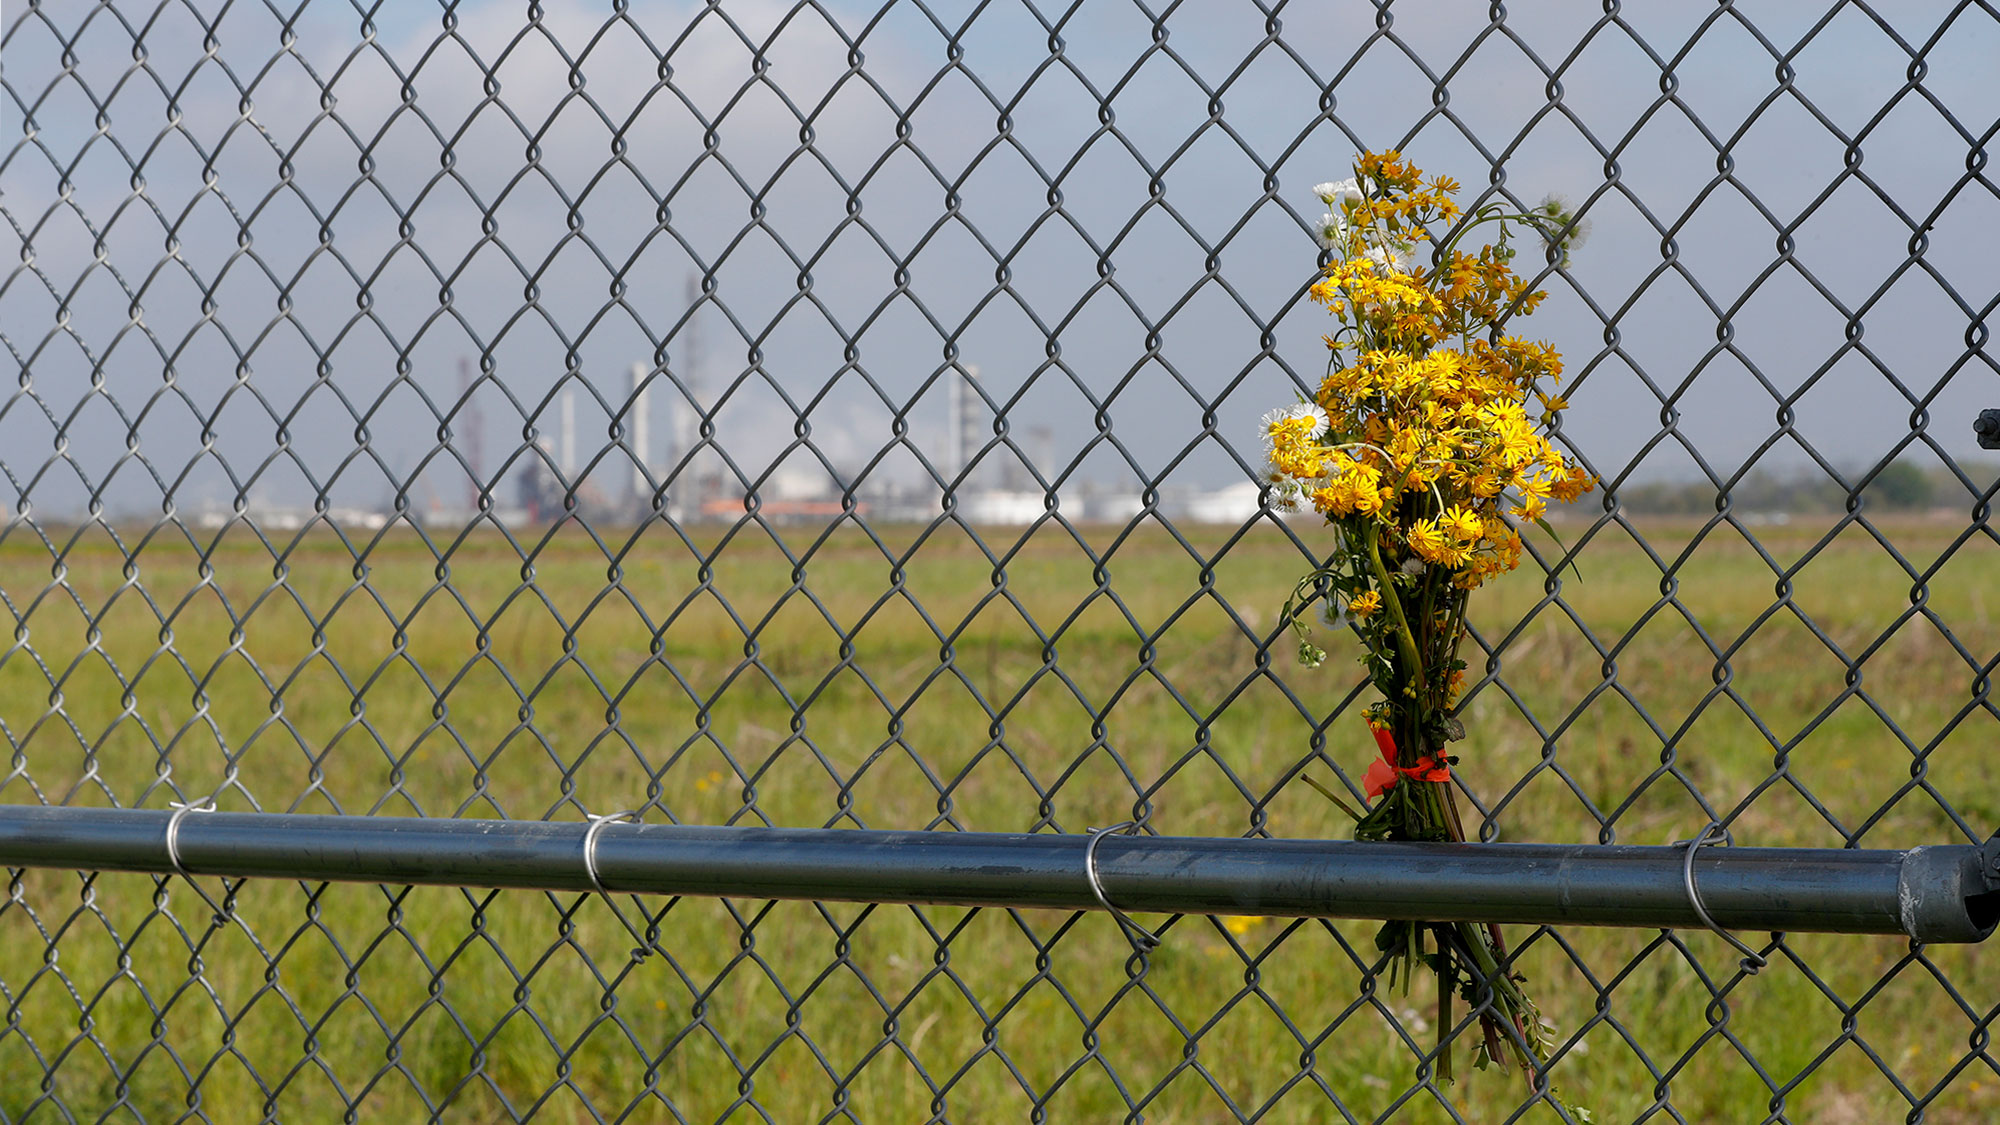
x: 1321, y: 423
x: 1288, y: 494
x: 1339, y: 196
x: 1287, y: 498
x: 1396, y: 257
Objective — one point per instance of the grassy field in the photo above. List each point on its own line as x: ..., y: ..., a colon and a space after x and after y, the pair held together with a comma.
x: 929, y: 687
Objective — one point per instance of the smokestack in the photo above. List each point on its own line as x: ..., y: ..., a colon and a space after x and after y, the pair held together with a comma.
x: 642, y: 433
x: 1042, y: 449
x: 566, y: 454
x: 964, y: 425
x: 688, y: 405
x: 954, y: 441
x: 471, y: 435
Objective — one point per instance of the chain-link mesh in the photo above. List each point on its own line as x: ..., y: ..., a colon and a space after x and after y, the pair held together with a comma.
x: 830, y: 414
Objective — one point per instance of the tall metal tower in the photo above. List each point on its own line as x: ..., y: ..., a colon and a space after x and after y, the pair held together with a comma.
x: 470, y: 434
x: 642, y: 435
x: 688, y: 406
x: 963, y: 427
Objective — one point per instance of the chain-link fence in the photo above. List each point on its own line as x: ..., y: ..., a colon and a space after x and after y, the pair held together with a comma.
x: 844, y: 415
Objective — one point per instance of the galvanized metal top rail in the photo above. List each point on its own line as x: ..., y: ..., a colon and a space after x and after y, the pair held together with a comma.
x: 1934, y: 894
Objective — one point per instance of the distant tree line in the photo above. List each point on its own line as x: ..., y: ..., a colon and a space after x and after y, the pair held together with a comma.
x: 1902, y: 486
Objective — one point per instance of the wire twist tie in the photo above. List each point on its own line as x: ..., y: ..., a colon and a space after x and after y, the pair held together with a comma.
x: 1142, y: 939
x: 597, y: 824
x: 181, y: 809
x: 1752, y: 960
x: 173, y: 843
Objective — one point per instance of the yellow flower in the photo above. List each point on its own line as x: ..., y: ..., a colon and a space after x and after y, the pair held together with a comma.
x: 1332, y: 500
x: 1433, y: 543
x: 1428, y: 540
x: 1576, y: 480
x: 1405, y: 448
x: 1428, y: 403
x: 1291, y: 441
x: 1461, y: 522
x: 1364, y: 603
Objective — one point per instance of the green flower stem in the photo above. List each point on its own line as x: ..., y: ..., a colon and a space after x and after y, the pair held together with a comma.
x: 1508, y: 999
x: 1496, y: 213
x: 1444, y: 1017
x: 1406, y: 641
x: 1429, y: 802
x: 1490, y: 213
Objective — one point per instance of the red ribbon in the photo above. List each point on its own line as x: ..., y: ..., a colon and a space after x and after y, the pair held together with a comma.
x: 1382, y: 774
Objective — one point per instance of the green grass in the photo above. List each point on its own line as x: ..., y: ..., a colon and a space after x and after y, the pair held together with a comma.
x: 609, y: 685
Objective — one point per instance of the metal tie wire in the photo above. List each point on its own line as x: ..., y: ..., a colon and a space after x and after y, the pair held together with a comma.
x: 1715, y: 833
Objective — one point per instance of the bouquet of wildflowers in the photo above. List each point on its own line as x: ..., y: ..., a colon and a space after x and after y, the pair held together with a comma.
x: 1422, y: 452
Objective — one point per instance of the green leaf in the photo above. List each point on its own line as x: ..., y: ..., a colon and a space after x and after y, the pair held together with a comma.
x: 1544, y: 525
x: 1444, y: 728
x: 1381, y: 820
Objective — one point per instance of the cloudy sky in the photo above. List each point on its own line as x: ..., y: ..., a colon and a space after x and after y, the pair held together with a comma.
x: 256, y: 263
